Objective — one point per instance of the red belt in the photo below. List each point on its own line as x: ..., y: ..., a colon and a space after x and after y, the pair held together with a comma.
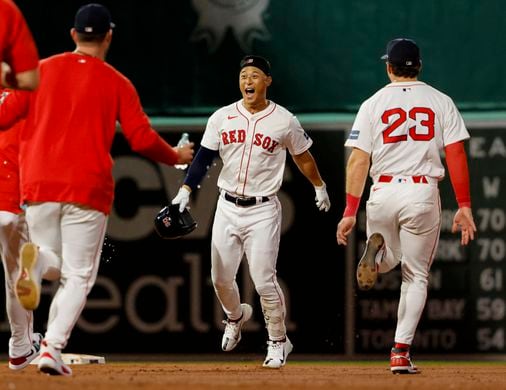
x: 416, y: 179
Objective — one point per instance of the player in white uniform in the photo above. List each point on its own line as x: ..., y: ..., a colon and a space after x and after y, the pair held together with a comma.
x: 251, y: 137
x: 399, y: 132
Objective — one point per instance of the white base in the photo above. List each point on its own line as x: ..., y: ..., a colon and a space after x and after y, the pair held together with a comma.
x: 74, y: 358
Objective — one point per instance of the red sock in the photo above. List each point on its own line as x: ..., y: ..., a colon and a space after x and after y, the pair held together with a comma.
x: 401, y: 346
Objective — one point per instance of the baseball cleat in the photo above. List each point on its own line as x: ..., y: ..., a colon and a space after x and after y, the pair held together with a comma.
x: 51, y: 362
x: 232, y: 333
x: 401, y: 363
x: 277, y: 352
x: 367, y: 269
x: 27, y: 285
x: 18, y: 363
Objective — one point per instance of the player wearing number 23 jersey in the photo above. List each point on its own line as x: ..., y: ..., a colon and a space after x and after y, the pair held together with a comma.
x: 406, y: 139
x: 399, y: 133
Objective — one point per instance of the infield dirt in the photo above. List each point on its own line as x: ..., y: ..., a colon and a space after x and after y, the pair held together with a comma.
x: 250, y: 375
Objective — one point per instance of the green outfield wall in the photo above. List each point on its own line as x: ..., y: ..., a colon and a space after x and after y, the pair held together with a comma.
x: 183, y: 55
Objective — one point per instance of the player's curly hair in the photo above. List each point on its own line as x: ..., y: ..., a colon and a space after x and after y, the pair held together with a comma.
x: 406, y: 71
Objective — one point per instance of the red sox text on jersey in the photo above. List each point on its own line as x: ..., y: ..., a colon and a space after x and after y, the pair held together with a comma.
x: 239, y: 136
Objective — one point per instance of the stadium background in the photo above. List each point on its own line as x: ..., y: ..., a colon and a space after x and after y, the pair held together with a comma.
x: 154, y: 296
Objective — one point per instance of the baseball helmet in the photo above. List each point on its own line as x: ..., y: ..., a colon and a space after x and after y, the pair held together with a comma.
x: 171, y: 224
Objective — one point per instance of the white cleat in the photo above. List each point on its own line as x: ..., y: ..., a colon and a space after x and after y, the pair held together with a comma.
x: 232, y: 333
x: 277, y: 352
x: 27, y: 284
x: 50, y: 361
x: 18, y: 363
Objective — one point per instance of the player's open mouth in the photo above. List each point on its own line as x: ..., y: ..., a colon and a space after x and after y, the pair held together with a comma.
x: 249, y: 91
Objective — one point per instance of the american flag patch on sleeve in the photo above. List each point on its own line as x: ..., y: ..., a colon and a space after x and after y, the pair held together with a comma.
x: 354, y: 134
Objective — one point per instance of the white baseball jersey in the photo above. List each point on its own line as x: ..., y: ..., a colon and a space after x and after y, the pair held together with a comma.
x: 253, y: 146
x: 404, y: 126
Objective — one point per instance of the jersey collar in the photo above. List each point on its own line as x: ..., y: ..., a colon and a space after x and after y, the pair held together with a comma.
x: 248, y: 114
x: 405, y: 83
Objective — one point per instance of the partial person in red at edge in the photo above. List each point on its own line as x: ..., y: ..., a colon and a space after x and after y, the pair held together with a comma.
x: 397, y: 137
x: 19, y: 62
x: 18, y: 54
x: 68, y: 192
x: 24, y: 344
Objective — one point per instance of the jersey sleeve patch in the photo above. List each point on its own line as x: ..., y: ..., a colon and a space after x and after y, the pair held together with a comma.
x: 354, y: 134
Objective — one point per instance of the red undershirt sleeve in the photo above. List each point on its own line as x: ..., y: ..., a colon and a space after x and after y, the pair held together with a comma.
x: 456, y: 162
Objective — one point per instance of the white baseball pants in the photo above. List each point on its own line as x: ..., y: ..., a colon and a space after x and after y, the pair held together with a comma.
x: 13, y: 234
x: 254, y: 231
x: 71, y: 237
x: 408, y: 215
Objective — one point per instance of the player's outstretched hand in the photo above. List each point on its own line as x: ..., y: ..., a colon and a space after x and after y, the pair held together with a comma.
x: 322, y: 198
x: 185, y: 153
x: 182, y: 198
x: 464, y: 222
x: 344, y: 228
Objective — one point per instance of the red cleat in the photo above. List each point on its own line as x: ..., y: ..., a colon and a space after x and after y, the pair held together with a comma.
x: 400, y: 362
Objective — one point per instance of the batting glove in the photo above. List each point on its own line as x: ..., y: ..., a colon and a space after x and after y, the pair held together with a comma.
x: 322, y: 198
x: 182, y: 197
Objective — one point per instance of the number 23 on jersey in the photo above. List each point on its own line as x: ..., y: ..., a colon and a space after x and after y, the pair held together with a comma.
x: 423, y: 130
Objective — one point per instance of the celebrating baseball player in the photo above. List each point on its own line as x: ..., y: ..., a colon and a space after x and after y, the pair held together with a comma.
x: 399, y: 133
x: 251, y: 136
x: 19, y: 69
x: 66, y: 171
x: 18, y: 53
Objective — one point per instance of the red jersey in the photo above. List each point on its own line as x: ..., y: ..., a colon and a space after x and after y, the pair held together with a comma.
x: 70, y: 125
x: 9, y: 169
x: 17, y: 47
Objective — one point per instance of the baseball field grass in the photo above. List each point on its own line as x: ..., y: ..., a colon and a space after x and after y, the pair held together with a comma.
x: 247, y: 373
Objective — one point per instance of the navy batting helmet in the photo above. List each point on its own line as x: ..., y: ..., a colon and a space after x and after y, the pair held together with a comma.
x: 171, y: 224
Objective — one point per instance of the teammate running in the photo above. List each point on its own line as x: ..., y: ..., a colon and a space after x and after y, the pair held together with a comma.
x: 24, y: 344
x: 19, y: 69
x: 66, y: 171
x: 402, y: 129
x: 251, y: 136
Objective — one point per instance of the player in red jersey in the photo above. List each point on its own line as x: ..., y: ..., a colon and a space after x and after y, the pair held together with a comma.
x: 18, y: 53
x: 19, y: 69
x: 66, y: 170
